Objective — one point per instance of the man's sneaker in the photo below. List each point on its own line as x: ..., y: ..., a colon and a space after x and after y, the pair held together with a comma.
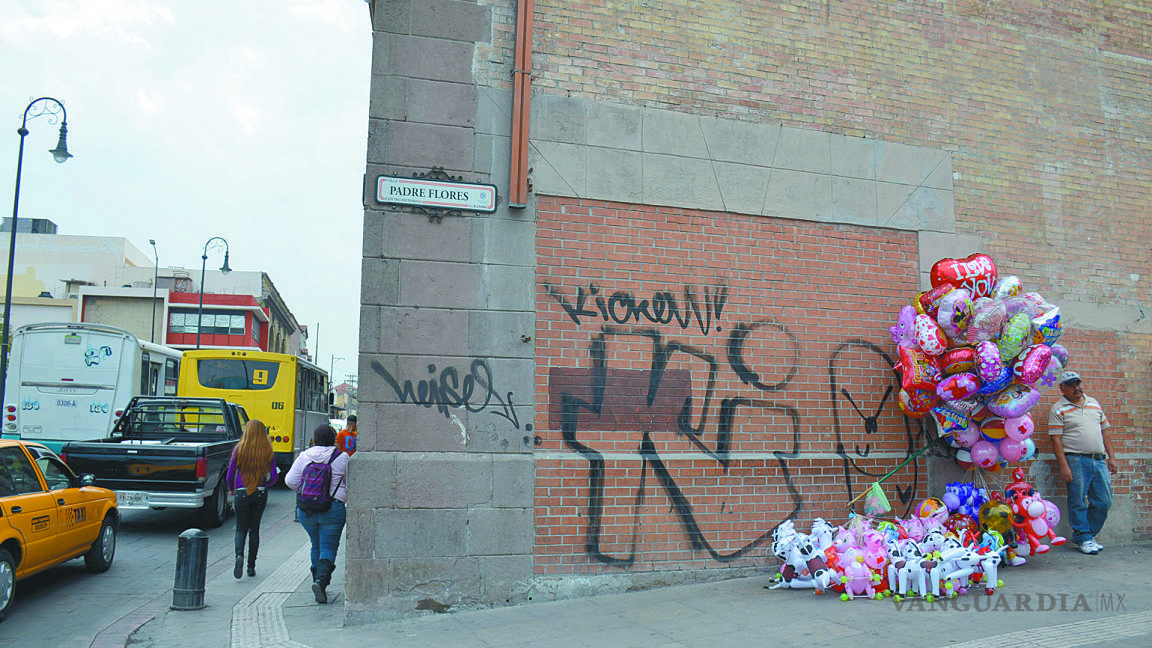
x: 1090, y: 547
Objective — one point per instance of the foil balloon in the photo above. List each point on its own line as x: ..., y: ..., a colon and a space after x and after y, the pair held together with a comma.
x: 1007, y: 287
x: 996, y: 385
x: 928, y: 301
x: 1036, y: 303
x: 1060, y: 352
x: 1013, y: 336
x: 965, y: 405
x: 1031, y: 363
x: 996, y: 516
x: 954, y: 361
x: 918, y: 370
x: 902, y: 332
x: 987, y: 320
x: 916, y: 403
x: 976, y: 273
x: 949, y: 421
x: 1051, y: 373
x: 1051, y: 513
x: 929, y: 336
x: 1014, y: 401
x: 958, y: 387
x: 954, y: 313
x: 1046, y: 327
x: 989, y: 366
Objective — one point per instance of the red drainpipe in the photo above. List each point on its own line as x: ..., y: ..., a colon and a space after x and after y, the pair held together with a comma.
x: 521, y: 93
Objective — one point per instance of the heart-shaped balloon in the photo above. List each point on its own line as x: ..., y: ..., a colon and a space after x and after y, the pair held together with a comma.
x: 977, y: 273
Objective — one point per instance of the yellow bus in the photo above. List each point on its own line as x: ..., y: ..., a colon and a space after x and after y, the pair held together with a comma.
x: 289, y: 394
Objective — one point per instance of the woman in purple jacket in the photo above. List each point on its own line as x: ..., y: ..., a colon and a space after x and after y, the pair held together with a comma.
x: 251, y: 471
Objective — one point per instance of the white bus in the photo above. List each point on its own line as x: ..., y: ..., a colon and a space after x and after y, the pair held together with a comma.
x: 71, y: 381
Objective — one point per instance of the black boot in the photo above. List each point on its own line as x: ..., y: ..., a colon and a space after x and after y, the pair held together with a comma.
x: 251, y: 566
x: 323, y: 577
x: 238, y: 571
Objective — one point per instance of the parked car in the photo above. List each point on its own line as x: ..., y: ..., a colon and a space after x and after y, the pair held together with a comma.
x: 49, y: 515
x: 166, y: 452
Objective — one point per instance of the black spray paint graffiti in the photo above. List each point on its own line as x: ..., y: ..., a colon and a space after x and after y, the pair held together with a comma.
x: 475, y: 393
x: 695, y: 431
x: 663, y: 308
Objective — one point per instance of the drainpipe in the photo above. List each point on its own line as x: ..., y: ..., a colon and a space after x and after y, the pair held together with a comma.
x: 521, y: 93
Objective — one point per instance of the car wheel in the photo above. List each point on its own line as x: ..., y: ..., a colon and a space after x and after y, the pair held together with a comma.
x: 7, y: 582
x: 99, y: 557
x: 216, y: 507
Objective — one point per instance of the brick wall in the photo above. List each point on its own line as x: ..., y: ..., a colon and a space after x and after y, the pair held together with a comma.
x: 698, y: 381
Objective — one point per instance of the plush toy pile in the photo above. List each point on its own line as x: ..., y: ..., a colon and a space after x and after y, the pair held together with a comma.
x: 975, y: 351
x: 944, y: 548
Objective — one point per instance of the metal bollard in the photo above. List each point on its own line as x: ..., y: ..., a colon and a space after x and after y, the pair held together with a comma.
x: 191, y: 564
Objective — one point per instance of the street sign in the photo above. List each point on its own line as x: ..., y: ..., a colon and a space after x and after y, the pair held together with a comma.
x: 436, y: 194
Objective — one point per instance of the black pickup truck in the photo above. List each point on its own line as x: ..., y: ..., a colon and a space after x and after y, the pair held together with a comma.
x: 166, y: 452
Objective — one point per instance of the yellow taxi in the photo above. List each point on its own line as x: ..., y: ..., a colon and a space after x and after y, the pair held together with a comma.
x: 48, y: 515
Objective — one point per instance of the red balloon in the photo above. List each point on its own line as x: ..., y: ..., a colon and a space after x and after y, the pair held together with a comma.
x: 977, y: 273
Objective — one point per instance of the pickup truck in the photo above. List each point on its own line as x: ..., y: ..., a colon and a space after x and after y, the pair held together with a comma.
x: 166, y: 452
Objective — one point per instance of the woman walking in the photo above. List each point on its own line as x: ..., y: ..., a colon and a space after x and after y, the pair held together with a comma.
x: 323, y: 525
x: 251, y: 471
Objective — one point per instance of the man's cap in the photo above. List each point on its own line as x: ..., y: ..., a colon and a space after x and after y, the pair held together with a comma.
x: 352, y: 417
x: 1069, y: 376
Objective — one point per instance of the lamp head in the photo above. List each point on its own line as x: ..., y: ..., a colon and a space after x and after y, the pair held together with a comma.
x: 60, y: 153
x: 224, y: 269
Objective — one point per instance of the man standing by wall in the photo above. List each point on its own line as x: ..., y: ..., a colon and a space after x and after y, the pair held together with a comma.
x: 346, y: 440
x: 1083, y: 448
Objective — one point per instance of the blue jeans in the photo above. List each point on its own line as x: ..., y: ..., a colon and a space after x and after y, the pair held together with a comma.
x: 324, y: 530
x: 1089, y: 497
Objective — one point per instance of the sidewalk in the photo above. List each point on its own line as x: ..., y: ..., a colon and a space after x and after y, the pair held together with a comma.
x: 1061, y: 599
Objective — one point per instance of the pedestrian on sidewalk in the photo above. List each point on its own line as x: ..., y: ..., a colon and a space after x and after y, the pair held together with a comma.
x: 322, y: 463
x: 346, y: 439
x: 251, y: 470
x: 1083, y: 446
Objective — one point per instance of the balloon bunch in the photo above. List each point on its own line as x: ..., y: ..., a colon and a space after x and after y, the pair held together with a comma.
x: 975, y: 351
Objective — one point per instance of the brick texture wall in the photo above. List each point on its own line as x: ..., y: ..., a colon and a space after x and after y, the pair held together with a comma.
x: 706, y: 376
x: 1045, y: 110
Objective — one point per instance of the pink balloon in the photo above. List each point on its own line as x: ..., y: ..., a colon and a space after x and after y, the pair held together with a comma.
x: 929, y: 336
x: 985, y: 454
x: 1019, y: 428
x: 1012, y: 449
x: 988, y: 362
x: 1031, y: 363
x: 968, y: 436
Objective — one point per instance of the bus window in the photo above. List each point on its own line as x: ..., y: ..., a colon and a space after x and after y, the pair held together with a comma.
x: 145, y: 373
x: 228, y: 373
x: 171, y: 376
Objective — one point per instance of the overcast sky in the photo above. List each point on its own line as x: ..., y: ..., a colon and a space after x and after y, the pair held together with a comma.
x: 245, y: 119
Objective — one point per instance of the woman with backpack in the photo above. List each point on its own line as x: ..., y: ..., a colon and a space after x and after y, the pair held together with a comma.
x: 251, y: 471
x: 319, y: 477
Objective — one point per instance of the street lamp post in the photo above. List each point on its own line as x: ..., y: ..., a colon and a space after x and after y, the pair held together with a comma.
x: 54, y: 108
x: 155, y: 274
x: 203, y: 263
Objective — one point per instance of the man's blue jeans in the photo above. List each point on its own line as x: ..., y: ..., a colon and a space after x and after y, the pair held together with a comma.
x: 324, y: 530
x: 1089, y: 496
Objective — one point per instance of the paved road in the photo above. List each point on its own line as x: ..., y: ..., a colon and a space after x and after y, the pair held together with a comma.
x: 70, y: 608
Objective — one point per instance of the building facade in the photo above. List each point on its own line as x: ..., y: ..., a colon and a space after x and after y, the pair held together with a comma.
x: 672, y: 333
x: 65, y: 278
